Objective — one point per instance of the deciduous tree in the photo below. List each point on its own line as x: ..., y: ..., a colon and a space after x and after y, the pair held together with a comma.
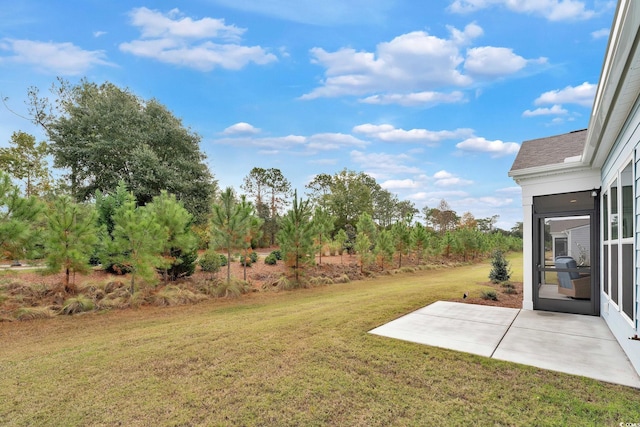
x: 26, y: 161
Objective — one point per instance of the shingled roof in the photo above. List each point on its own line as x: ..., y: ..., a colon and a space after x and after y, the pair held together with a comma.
x: 550, y: 150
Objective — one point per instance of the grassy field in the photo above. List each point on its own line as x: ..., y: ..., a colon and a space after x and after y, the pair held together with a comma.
x: 290, y: 358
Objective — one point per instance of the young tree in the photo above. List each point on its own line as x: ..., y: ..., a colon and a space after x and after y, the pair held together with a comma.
x: 138, y: 240
x: 384, y: 247
x: 25, y: 160
x: 420, y: 240
x: 323, y: 225
x: 179, y: 249
x: 229, y: 223
x: 363, y: 249
x: 279, y: 190
x: 70, y: 237
x: 340, y: 239
x: 296, y: 236
x: 401, y: 234
x: 253, y: 232
x: 17, y: 220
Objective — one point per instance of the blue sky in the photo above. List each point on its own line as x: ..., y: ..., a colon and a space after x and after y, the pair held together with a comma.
x: 430, y: 98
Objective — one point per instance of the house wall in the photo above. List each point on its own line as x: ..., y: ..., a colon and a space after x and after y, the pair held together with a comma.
x: 556, y: 183
x: 627, y: 147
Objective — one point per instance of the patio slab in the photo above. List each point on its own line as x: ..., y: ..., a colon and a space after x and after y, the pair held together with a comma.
x: 569, y: 343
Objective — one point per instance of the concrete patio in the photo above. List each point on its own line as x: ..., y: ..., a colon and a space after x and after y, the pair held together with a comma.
x: 570, y: 343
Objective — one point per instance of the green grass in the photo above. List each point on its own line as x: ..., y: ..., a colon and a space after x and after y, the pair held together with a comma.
x: 299, y: 358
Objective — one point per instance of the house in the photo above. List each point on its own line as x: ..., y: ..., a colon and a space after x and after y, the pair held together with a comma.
x: 585, y: 185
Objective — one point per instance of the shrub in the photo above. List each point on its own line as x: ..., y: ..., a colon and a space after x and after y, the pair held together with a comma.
x: 232, y: 289
x: 30, y: 313
x: 277, y: 254
x: 500, y: 271
x: 253, y: 256
x: 210, y: 262
x: 490, y: 295
x: 223, y: 260
x: 172, y: 295
x: 77, y: 304
x: 245, y: 261
x: 184, y: 264
x: 270, y: 259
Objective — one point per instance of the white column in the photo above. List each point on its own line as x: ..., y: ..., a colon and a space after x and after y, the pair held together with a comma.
x: 527, y: 253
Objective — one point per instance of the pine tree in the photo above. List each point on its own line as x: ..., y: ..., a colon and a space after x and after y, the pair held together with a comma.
x: 323, y: 224
x: 70, y: 237
x: 296, y: 236
x: 401, y: 234
x: 229, y: 222
x: 420, y: 240
x: 17, y: 218
x: 138, y: 240
x: 500, y: 271
x: 384, y: 247
x: 179, y: 248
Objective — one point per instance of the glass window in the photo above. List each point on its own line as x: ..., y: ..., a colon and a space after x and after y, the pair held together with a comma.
x: 605, y: 215
x: 626, y: 179
x: 613, y: 218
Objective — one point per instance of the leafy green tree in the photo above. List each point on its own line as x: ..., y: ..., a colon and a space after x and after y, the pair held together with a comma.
x: 384, y: 247
x: 449, y: 244
x: 296, y: 236
x: 17, y: 221
x: 102, y: 134
x: 401, y: 234
x: 384, y: 207
x: 138, y: 240
x: 25, y: 160
x: 179, y: 249
x: 70, y: 237
x: 229, y: 223
x: 323, y: 225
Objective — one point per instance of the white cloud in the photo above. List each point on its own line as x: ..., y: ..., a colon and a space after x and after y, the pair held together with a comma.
x: 447, y: 179
x: 241, y: 128
x: 276, y: 144
x: 54, y: 58
x: 400, y: 184
x: 174, y: 39
x: 553, y: 111
x: 601, y: 34
x: 389, y: 133
x: 581, y: 95
x: 99, y: 33
x: 491, y: 61
x: 427, y: 98
x: 553, y: 10
x: 333, y: 141
x: 496, y: 148
x: 380, y: 165
x: 412, y: 62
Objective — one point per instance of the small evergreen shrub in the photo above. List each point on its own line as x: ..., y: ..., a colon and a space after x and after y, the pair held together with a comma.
x: 253, y: 256
x: 277, y: 254
x: 223, y: 260
x: 490, y: 295
x: 270, y: 259
x: 210, y: 262
x: 245, y: 261
x: 500, y: 271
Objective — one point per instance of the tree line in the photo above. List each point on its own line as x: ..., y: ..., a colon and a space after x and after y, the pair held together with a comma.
x: 135, y: 195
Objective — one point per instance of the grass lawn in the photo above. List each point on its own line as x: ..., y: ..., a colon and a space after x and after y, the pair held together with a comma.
x: 291, y: 358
